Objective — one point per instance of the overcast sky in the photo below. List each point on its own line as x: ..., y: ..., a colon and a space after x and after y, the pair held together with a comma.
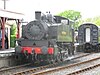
x: 88, y: 8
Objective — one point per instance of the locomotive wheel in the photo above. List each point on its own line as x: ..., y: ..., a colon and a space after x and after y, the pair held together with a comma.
x: 64, y: 56
x: 54, y: 59
x: 59, y: 58
x: 51, y: 59
x: 73, y: 50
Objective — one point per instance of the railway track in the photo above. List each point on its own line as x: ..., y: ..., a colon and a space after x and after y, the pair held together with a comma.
x: 23, y: 69
x: 84, y: 69
x: 72, y: 69
x: 33, y: 70
x: 10, y: 70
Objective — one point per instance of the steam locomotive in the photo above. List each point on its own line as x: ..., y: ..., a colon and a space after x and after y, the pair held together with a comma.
x: 88, y: 38
x: 48, y: 38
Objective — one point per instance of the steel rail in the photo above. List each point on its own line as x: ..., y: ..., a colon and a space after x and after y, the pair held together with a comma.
x: 14, y: 67
x: 84, y: 69
x: 33, y: 70
x: 64, y: 67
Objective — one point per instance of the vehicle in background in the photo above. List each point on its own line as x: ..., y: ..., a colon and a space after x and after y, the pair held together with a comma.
x: 88, y: 38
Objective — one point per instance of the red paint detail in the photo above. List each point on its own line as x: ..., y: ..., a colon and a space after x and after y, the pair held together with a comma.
x: 38, y: 50
x: 50, y: 50
x: 28, y: 49
x: 17, y: 36
x: 3, y: 31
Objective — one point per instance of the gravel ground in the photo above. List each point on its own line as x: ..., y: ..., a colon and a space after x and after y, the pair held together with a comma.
x: 25, y: 68
x: 72, y: 69
x: 95, y: 71
x: 64, y: 72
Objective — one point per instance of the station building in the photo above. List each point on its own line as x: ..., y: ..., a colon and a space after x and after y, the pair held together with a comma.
x: 7, y: 18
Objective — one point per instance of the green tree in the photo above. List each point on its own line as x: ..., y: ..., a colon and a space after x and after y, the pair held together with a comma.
x: 13, y: 35
x: 13, y: 29
x: 72, y: 15
x: 95, y: 20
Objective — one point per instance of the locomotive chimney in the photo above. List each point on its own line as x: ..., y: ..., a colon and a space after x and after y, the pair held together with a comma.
x: 38, y: 15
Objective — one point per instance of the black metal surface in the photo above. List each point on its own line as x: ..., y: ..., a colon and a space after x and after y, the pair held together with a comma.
x: 44, y: 34
x: 90, y: 46
x: 35, y: 30
x: 93, y: 33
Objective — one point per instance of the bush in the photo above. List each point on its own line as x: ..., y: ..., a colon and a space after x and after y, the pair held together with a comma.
x: 12, y: 41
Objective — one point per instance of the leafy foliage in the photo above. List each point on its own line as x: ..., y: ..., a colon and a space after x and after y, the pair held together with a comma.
x: 95, y: 20
x: 13, y: 29
x: 71, y: 14
x: 13, y: 35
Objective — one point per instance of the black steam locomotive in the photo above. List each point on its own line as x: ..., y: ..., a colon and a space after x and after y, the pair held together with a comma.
x: 88, y: 38
x: 48, y: 38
